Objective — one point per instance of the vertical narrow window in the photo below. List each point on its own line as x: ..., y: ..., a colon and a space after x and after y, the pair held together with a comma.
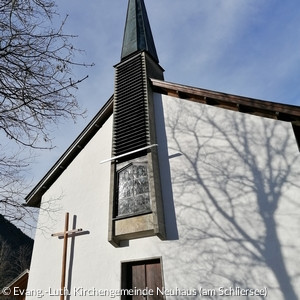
x: 144, y: 278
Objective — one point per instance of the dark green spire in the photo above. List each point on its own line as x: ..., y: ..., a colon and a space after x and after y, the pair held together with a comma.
x: 137, y: 34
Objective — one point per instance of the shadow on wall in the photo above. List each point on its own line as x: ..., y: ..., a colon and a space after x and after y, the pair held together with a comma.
x: 235, y: 189
x: 165, y: 176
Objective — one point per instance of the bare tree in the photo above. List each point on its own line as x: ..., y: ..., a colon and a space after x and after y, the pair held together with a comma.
x: 13, y: 261
x: 4, y: 260
x: 5, y: 254
x: 22, y: 257
x: 36, y: 85
x: 12, y: 185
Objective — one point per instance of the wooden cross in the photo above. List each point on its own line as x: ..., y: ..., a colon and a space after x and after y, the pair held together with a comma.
x: 65, y: 234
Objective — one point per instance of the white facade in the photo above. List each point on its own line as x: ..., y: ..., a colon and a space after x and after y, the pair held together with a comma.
x: 230, y: 188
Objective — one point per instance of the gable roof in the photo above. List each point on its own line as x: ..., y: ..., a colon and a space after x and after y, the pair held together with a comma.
x: 34, y: 197
x: 283, y: 112
x: 20, y: 283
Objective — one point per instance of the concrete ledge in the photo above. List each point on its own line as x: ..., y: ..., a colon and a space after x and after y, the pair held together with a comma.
x: 134, y: 225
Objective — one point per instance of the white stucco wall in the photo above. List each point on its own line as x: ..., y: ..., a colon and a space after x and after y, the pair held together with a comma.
x: 230, y: 188
x: 236, y: 195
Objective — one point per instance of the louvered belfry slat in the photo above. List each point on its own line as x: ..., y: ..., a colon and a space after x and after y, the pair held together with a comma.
x: 131, y: 125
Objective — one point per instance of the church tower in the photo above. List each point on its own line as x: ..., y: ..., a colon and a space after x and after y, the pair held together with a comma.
x: 135, y: 200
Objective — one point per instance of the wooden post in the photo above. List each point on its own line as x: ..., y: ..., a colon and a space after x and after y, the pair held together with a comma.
x: 65, y: 234
x: 64, y: 259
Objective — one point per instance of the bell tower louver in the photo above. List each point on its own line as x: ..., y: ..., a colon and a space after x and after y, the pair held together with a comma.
x: 135, y: 202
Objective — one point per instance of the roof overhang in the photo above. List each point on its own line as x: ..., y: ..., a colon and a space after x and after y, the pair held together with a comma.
x: 20, y: 282
x: 33, y: 199
x: 267, y: 109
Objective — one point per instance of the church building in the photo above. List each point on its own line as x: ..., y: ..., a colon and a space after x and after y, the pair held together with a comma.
x: 171, y: 192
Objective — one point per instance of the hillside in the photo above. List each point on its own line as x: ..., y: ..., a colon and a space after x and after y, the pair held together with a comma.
x: 15, y: 251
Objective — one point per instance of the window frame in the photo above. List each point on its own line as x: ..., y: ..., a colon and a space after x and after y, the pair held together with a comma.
x: 121, y: 167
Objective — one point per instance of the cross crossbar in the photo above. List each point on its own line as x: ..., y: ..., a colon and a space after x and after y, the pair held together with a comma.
x: 60, y: 234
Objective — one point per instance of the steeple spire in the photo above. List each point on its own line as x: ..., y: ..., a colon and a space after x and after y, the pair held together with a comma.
x: 137, y: 34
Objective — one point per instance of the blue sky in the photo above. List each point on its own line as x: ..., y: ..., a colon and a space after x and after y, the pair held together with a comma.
x: 248, y: 47
x: 243, y: 47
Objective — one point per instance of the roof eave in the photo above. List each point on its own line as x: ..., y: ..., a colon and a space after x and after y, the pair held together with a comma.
x: 16, y: 281
x: 33, y: 199
x: 279, y: 111
x: 263, y: 108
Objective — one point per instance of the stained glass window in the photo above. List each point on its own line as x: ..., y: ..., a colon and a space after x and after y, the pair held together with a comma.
x: 133, y: 190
